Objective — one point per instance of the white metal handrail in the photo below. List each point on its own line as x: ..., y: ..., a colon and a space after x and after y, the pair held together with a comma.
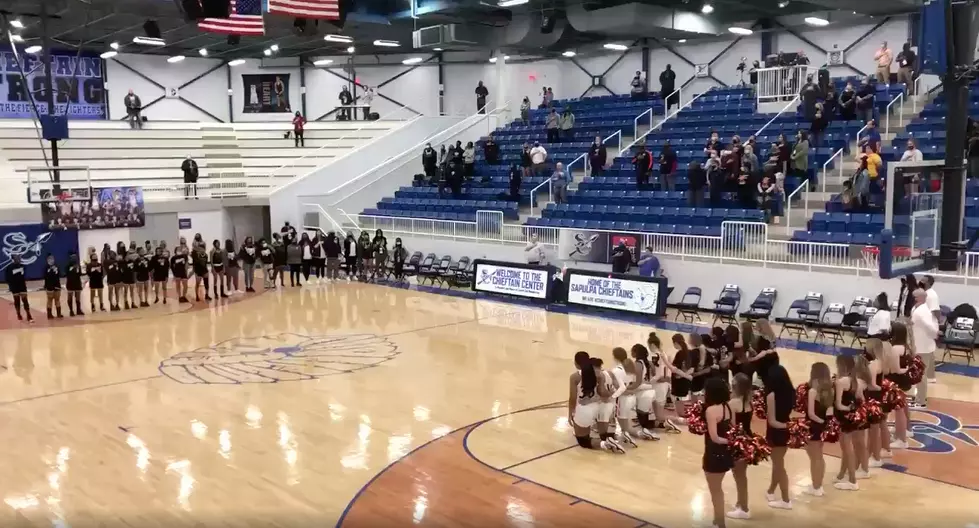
x: 666, y: 107
x: 319, y: 209
x: 804, y: 188
x: 917, y: 94
x: 354, y: 133
x: 635, y: 122
x: 584, y: 161
x: 659, y: 125
x: 535, y: 190
x: 772, y: 120
x: 862, y: 130
x: 779, y: 82
x: 887, y: 112
x: 838, y: 153
x: 616, y: 133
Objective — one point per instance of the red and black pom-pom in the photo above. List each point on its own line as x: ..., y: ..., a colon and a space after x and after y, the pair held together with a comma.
x: 831, y: 431
x: 892, y: 397
x: 695, y: 418
x: 802, y: 398
x: 759, y: 405
x: 916, y: 370
x: 798, y: 433
x: 872, y: 410
x: 857, y: 417
x: 752, y: 449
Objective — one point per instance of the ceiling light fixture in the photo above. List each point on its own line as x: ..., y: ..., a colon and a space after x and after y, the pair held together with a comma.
x: 682, y: 41
x: 351, y: 49
x: 412, y: 60
x: 387, y: 43
x: 109, y: 54
x: 569, y: 54
x: 338, y: 38
x: 267, y: 52
x: 32, y: 49
x: 274, y: 47
x: 616, y: 47
x: 175, y: 58
x: 707, y: 9
x: 437, y: 49
x: 16, y: 23
x: 16, y: 38
x: 203, y: 52
x: 511, y: 3
x: 816, y: 21
x: 148, y: 41
x: 114, y: 45
x: 236, y: 62
x: 739, y: 30
x: 782, y: 5
x: 322, y: 62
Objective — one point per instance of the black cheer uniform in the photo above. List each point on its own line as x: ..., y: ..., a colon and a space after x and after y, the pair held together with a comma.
x: 16, y: 279
x: 199, y: 260
x: 680, y: 385
x: 113, y: 273
x: 217, y: 260
x: 129, y: 272
x: 178, y: 264
x: 744, y: 416
x: 142, y: 269
x: 697, y: 385
x: 849, y: 400
x: 816, y: 429
x: 96, y: 277
x: 73, y: 277
x: 902, y: 380
x: 718, y: 457
x: 52, y: 278
x: 874, y: 394
x: 160, y: 265
x: 784, y: 401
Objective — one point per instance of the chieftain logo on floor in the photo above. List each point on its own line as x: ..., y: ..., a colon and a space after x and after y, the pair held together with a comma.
x: 279, y: 357
x: 16, y: 243
x: 940, y: 434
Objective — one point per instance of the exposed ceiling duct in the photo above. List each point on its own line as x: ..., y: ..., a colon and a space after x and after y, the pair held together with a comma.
x: 641, y: 20
x: 869, y: 7
x: 524, y: 32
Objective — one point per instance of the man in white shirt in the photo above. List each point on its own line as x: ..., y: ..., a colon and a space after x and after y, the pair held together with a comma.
x: 924, y: 329
x: 537, y: 157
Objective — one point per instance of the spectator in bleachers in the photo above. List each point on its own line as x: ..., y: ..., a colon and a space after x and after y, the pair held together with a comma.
x: 538, y: 157
x: 560, y: 179
x: 865, y: 100
x: 430, y: 162
x: 667, y: 83
x: 696, y: 181
x: 456, y: 152
x: 481, y: 94
x: 781, y: 148
x: 525, y: 111
x: 567, y: 124
x: 746, y: 190
x: 469, y: 160
x: 535, y: 252
x: 649, y: 265
x: 597, y: 157
x: 713, y: 144
x: 491, y: 151
x: 753, y: 76
x: 906, y: 65
x: 643, y: 163
x: 884, y: 57
x: 553, y: 124
x: 515, y: 182
x: 191, y: 172
x: 715, y: 178
x: 848, y: 103
x: 767, y: 195
x: 737, y: 151
x: 346, y: 99
x: 809, y: 94
x: 367, y: 99
x: 830, y: 102
x: 911, y: 178
x: 800, y: 154
x: 749, y: 161
x: 298, y: 122
x: 133, y: 109
x: 871, y: 135
x: 454, y: 177
x: 818, y: 125
x: 731, y: 169
x: 638, y: 86
x: 526, y: 160
x: 547, y: 98
x: 667, y: 167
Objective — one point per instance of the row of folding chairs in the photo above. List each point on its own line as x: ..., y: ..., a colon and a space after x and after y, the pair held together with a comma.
x: 440, y: 271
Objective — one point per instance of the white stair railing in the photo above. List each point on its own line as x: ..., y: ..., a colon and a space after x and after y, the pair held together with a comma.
x: 861, y: 131
x: 659, y: 125
x: 535, y: 190
x: 887, y: 112
x: 837, y: 154
x: 791, y: 104
x: 635, y: 122
x: 317, y: 208
x: 804, y: 189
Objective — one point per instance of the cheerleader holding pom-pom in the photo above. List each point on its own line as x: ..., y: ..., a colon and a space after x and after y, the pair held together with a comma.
x: 682, y: 368
x: 851, y: 417
x: 746, y: 447
x: 802, y: 398
x: 758, y: 404
x: 779, y: 402
x: 820, y: 395
x: 898, y: 362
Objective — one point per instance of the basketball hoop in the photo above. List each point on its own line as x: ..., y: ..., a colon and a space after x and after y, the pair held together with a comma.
x: 65, y: 196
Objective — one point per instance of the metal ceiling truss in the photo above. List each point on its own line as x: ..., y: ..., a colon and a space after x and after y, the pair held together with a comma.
x: 601, y: 78
x: 693, y: 65
x: 846, y: 50
x: 181, y: 87
x: 382, y: 84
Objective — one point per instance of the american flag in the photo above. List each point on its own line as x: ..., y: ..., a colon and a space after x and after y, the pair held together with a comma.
x: 326, y: 9
x: 245, y: 19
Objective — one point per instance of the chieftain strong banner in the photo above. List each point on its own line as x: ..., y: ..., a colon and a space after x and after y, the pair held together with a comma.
x: 266, y: 93
x: 77, y: 81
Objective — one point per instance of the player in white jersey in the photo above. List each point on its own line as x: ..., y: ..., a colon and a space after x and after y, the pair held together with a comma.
x: 606, y: 410
x: 645, y: 393
x: 625, y: 403
x: 584, y: 401
x: 660, y: 372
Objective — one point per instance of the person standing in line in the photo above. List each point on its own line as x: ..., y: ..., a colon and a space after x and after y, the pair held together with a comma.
x: 924, y: 332
x: 52, y: 286
x: 280, y: 260
x: 931, y: 300
x: 667, y: 82
x: 96, y: 281
x: 481, y: 94
x: 560, y: 180
x: 294, y: 259
x: 319, y: 259
x: 331, y: 248
x: 350, y: 255
x: 298, y: 123
x: 597, y: 157
x: 399, y: 256
x: 366, y: 100
x: 134, y: 108
x: 191, y: 173
x: 248, y: 255
x: 232, y: 267
x: 553, y: 123
x: 16, y: 278
x: 73, y: 284
x: 906, y: 66
x: 266, y: 257
x: 218, y: 265
x: 884, y: 57
x: 199, y: 263
x: 160, y: 268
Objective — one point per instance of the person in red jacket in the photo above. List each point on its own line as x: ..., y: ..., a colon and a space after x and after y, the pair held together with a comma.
x: 298, y: 123
x: 643, y: 162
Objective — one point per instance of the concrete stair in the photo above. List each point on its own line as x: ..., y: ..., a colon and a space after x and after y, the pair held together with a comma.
x: 220, y: 144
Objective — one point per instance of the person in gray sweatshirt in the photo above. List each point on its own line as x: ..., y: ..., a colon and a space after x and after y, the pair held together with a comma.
x: 553, y: 124
x: 294, y: 258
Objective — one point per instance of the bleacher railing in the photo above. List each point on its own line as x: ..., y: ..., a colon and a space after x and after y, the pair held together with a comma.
x: 781, y: 83
x: 837, y: 154
x: 899, y: 100
x: 659, y: 125
x: 802, y: 189
x: 792, y: 103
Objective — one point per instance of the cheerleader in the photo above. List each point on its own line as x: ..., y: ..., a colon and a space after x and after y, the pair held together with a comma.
x: 249, y: 257
x: 702, y: 367
x: 129, y: 279
x: 718, y: 459
x: 878, y: 437
x: 645, y: 394
x: 765, y: 358
x: 740, y: 403
x: 819, y: 408
x: 143, y: 276
x: 96, y: 282
x: 350, y: 255
x: 847, y: 389
x: 682, y: 369
x: 365, y: 255
x: 231, y: 268
x: 266, y: 257
x: 660, y: 366
x: 198, y: 260
x: 866, y: 393
x: 52, y: 286
x: 160, y: 268
x: 178, y: 266
x: 779, y: 399
x: 280, y: 260
x: 113, y: 278
x: 218, y: 257
x: 584, y: 399
x: 16, y: 278
x: 307, y: 258
x: 629, y: 378
x: 73, y: 283
x: 896, y: 363
x: 606, y: 409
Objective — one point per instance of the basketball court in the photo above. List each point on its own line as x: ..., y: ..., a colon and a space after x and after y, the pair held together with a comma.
x: 364, y: 405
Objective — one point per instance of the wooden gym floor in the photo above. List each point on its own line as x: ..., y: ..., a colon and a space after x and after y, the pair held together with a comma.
x: 366, y: 405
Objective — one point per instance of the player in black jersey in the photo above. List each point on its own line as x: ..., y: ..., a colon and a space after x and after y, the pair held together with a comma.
x: 198, y: 258
x: 218, y: 257
x: 17, y: 285
x: 160, y: 268
x: 73, y: 283
x: 52, y: 286
x: 266, y: 256
x: 178, y: 265
x: 129, y: 279
x: 96, y: 282
x: 113, y: 277
x: 143, y: 276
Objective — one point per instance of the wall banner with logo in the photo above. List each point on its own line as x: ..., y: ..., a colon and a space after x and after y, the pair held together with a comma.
x: 616, y: 291
x: 583, y: 246
x: 266, y: 93
x: 79, y: 87
x: 33, y: 242
x: 513, y: 279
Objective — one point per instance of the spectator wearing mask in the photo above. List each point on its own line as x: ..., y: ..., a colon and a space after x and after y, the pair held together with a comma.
x: 535, y: 252
x: 906, y: 66
x: 134, y: 108
x: 638, y: 87
x: 621, y: 258
x: 746, y: 191
x: 643, y: 163
x: 457, y: 152
x: 525, y: 111
x: 696, y: 182
x: 667, y: 84
x: 715, y: 179
x: 883, y: 57
x: 469, y: 160
x: 398, y: 256
x: 649, y: 265
x: 567, y: 124
x: 831, y: 102
x: 454, y: 178
x: 298, y: 124
x: 865, y: 100
x: 430, y: 161
x: 800, y: 154
x: 538, y: 156
x: 491, y: 151
x: 818, y: 125
x: 191, y: 172
x: 367, y: 100
x: 481, y: 94
x: 515, y: 182
x: 737, y: 151
x: 809, y: 94
x: 667, y: 167
x: 767, y: 195
x: 911, y: 153
x: 713, y: 144
x: 553, y: 123
x: 346, y: 99
x: 526, y: 160
x: 332, y: 251
x: 847, y: 107
x: 597, y: 157
x: 560, y: 180
x: 350, y: 255
x: 749, y: 161
x: 784, y: 153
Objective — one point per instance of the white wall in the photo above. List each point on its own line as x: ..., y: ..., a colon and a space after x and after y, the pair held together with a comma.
x: 895, y: 32
x: 256, y: 67
x: 209, y: 92
x: 96, y: 238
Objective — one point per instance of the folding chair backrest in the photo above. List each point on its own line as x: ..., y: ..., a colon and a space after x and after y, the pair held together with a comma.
x: 462, y: 264
x: 445, y: 262
x: 834, y: 313
x: 815, y: 301
x: 963, y: 329
x: 765, y: 300
x: 429, y: 260
x: 694, y: 292
x: 730, y: 295
x: 797, y: 308
x: 415, y: 259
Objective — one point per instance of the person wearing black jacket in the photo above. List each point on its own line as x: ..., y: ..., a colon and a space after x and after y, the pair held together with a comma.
x: 267, y: 258
x: 525, y: 160
x: 481, y: 94
x: 597, y: 157
x: 331, y: 247
x: 696, y: 181
x: 280, y: 260
x: 16, y: 278
x: 350, y: 255
x: 809, y: 94
x: 346, y: 99
x: 248, y: 254
x: 134, y: 107
x: 198, y: 258
x: 621, y: 258
x: 491, y: 151
x: 830, y: 103
x: 52, y: 285
x: 73, y: 283
x: 430, y: 162
x: 515, y: 181
x: 160, y: 269
x: 189, y: 168
x: 667, y: 83
x: 667, y: 166
x: 865, y: 100
x: 178, y: 265
x: 399, y: 256
x: 818, y: 125
x: 643, y: 162
x: 847, y: 107
x: 906, y: 66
